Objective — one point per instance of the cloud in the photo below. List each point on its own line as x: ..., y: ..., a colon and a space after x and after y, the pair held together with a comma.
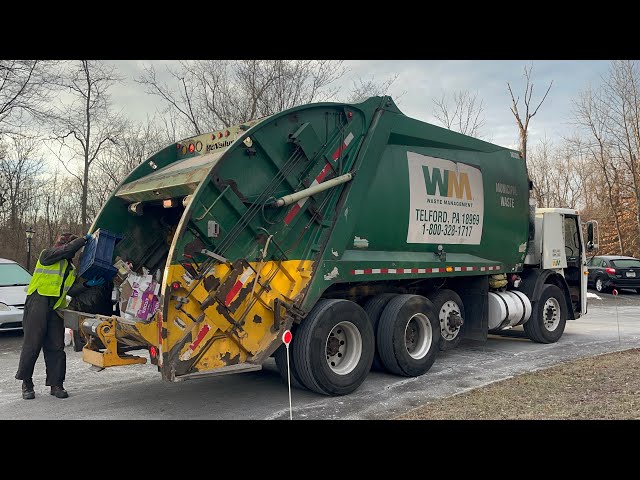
x: 423, y: 80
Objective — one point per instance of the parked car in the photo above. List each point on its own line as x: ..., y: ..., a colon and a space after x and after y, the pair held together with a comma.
x: 13, y: 293
x: 609, y: 271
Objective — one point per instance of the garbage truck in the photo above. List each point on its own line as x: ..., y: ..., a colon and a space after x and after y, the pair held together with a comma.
x: 376, y: 239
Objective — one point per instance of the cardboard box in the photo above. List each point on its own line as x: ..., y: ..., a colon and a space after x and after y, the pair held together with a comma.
x: 139, y: 297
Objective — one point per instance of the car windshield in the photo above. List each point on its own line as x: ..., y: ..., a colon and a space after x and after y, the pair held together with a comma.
x: 13, y: 274
x: 626, y: 262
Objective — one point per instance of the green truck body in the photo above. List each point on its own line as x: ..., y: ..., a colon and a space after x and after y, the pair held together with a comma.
x: 328, y: 211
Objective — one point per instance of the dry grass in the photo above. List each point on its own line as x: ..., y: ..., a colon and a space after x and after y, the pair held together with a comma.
x: 602, y: 387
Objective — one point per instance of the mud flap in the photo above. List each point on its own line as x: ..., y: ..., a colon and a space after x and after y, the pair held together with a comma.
x: 474, y: 292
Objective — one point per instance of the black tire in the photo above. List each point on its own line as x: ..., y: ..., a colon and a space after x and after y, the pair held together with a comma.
x: 600, y: 288
x: 535, y: 327
x: 373, y: 307
x: 280, y: 356
x: 78, y: 341
x: 392, y: 340
x: 443, y: 301
x: 312, y: 346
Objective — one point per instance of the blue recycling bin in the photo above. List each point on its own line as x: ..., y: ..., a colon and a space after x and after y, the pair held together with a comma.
x: 97, y: 257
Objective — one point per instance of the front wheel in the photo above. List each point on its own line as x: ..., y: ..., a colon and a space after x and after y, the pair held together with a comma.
x: 549, y: 317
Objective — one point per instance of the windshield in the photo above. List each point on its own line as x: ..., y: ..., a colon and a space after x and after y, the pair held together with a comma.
x: 625, y: 263
x: 13, y: 274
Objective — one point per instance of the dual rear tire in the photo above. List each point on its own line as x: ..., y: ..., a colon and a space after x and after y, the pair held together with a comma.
x: 333, y: 348
x: 408, y: 335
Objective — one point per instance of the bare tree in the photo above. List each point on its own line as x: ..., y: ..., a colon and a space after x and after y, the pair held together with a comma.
x: 464, y: 113
x: 560, y: 173
x: 538, y: 166
x: 529, y: 113
x: 19, y: 171
x: 137, y: 143
x: 621, y: 91
x: 370, y: 87
x: 591, y: 112
x: 211, y: 94
x: 25, y: 91
x: 86, y: 125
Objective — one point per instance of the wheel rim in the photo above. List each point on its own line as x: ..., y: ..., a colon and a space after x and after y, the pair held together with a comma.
x: 343, y: 348
x: 448, y: 332
x: 599, y: 285
x: 551, y: 314
x: 418, y: 336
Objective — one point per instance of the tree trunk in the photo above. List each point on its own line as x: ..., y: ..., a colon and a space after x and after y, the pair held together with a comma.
x: 85, y: 180
x: 85, y: 175
x: 615, y: 214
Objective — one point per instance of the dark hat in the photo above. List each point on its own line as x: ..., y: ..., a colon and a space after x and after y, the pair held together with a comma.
x: 65, y: 238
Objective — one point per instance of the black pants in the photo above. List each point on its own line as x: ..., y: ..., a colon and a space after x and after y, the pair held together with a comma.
x: 43, y: 329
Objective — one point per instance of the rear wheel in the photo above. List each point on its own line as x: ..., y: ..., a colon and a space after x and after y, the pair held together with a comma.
x: 549, y: 317
x: 373, y: 308
x: 334, y: 347
x: 78, y: 341
x: 408, y: 335
x: 600, y: 285
x: 448, y: 306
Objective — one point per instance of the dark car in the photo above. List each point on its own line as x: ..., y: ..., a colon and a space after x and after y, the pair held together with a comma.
x: 609, y: 271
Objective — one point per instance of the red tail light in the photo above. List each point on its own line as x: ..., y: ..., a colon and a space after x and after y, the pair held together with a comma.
x: 610, y: 271
x: 152, y: 351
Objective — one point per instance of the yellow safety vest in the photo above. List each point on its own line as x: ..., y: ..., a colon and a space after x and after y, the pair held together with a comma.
x: 47, y: 281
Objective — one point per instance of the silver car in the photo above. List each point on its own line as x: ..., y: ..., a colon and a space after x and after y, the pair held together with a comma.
x: 13, y: 293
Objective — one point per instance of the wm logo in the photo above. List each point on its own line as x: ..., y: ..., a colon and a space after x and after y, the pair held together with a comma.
x: 447, y: 182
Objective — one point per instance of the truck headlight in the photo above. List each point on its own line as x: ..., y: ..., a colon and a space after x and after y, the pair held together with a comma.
x: 4, y: 307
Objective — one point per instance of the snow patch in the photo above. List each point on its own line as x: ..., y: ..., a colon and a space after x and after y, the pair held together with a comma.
x: 593, y: 295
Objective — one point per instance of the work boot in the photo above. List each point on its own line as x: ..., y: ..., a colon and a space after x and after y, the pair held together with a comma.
x: 27, y: 390
x: 59, y: 391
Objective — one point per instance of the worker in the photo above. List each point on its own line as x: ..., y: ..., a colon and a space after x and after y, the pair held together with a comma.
x: 54, y: 278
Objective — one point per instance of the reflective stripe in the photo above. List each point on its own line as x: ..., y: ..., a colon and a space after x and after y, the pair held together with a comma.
x: 48, y: 281
x: 47, y: 271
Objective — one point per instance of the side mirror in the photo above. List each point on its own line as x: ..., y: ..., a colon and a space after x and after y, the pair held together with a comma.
x: 591, y: 243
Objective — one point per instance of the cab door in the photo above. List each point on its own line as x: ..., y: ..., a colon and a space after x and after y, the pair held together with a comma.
x: 576, y: 272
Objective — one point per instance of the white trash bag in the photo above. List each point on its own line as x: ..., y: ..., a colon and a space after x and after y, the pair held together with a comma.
x: 68, y: 336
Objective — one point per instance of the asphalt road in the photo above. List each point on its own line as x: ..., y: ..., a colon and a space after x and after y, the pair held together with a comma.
x: 137, y: 392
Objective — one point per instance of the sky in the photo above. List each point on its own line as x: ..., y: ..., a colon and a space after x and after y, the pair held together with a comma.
x: 420, y: 81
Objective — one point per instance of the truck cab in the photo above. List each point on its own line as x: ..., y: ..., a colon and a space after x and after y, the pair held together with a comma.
x: 558, y: 248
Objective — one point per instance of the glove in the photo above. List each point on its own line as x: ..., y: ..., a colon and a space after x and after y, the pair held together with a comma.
x: 87, y: 236
x: 94, y: 282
